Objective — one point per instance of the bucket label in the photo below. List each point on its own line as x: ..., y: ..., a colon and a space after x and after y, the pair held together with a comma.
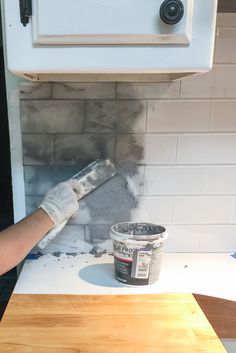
x: 137, y: 264
x: 142, y: 264
x: 123, y: 251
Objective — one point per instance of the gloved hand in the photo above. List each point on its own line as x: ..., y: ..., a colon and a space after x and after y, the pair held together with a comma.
x: 61, y: 202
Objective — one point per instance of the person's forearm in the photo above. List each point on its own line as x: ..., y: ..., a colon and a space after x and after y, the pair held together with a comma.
x: 17, y: 240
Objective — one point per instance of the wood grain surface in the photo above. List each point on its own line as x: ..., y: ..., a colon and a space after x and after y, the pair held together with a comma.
x: 221, y: 314
x: 161, y: 323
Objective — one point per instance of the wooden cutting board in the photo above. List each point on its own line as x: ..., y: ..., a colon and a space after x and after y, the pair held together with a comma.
x: 161, y: 323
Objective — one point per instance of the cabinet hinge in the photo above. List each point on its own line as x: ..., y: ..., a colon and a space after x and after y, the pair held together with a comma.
x: 25, y: 11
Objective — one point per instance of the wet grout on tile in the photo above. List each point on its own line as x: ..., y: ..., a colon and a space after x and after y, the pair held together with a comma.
x: 84, y: 90
x: 50, y: 116
x: 115, y: 116
x: 77, y: 149
x: 29, y: 90
x: 38, y: 149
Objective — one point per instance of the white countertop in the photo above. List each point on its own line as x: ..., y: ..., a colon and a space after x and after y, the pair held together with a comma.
x: 204, y: 273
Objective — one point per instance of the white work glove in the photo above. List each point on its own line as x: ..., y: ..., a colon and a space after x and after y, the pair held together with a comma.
x: 61, y: 202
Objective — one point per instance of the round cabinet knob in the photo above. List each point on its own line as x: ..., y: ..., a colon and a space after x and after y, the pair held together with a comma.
x: 171, y: 11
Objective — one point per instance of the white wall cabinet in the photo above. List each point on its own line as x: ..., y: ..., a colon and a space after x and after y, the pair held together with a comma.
x: 110, y: 40
x: 107, y: 22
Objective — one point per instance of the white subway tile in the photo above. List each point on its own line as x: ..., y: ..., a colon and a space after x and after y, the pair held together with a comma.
x: 203, y: 210
x: 220, y: 82
x: 153, y: 209
x: 146, y: 149
x: 233, y: 213
x: 178, y: 116
x: 183, y: 239
x: 226, y: 20
x: 225, y: 81
x: 223, y: 116
x: 174, y: 180
x: 218, y: 239
x: 199, y: 86
x: 151, y: 90
x: 221, y: 180
x: 206, y: 149
x: 225, y: 48
x: 160, y: 149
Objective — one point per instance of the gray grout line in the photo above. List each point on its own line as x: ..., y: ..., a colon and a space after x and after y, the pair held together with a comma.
x: 200, y: 238
x: 167, y: 165
x: 133, y: 99
x: 173, y: 210
x: 180, y: 89
x: 144, y: 180
x: 211, y: 117
x: 54, y: 150
x: 193, y: 196
x: 132, y: 133
x: 204, y: 182
x: 177, y: 147
x: 116, y: 88
x: 52, y: 86
x: 115, y: 149
x: 84, y: 116
x: 147, y: 114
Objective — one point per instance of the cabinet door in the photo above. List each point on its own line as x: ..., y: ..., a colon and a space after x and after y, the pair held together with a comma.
x: 98, y: 22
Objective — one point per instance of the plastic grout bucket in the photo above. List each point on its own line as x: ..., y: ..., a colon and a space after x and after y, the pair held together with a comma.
x: 138, y: 250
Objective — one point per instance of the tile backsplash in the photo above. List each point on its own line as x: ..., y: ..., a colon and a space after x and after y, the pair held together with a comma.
x: 176, y: 141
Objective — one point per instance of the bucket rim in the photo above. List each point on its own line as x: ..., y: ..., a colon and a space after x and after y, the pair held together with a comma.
x: 161, y: 235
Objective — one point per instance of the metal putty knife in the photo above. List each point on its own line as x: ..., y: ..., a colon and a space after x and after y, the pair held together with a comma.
x: 90, y: 178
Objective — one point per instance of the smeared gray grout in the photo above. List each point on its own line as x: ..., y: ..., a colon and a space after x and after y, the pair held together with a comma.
x: 97, y: 251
